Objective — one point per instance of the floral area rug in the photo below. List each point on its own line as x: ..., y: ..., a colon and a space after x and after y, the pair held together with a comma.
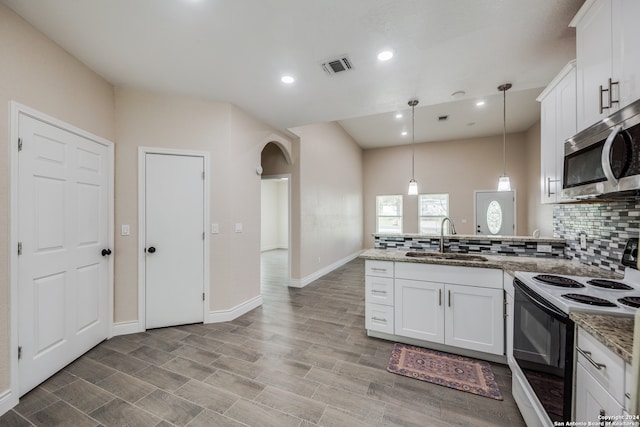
x: 449, y: 370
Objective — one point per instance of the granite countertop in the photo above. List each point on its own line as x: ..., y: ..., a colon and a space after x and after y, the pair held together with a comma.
x: 614, y: 332
x: 510, y: 264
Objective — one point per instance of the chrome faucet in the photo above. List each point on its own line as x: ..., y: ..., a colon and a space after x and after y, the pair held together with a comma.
x: 453, y: 231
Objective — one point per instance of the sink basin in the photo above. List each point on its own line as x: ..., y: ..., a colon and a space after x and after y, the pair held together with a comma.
x: 447, y: 256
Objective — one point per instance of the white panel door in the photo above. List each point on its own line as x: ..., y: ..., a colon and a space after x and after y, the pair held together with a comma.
x: 63, y: 217
x: 495, y: 213
x: 174, y: 267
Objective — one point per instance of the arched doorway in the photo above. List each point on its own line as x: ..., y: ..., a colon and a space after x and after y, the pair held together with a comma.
x: 275, y: 216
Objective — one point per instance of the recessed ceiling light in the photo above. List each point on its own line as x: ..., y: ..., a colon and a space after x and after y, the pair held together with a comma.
x: 404, y: 133
x: 385, y: 55
x: 480, y: 103
x: 287, y: 79
x: 399, y: 116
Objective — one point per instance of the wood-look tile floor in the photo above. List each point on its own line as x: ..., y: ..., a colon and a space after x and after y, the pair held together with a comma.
x: 302, y: 359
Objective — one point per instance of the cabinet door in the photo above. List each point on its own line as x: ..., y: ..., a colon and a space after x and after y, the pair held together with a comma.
x: 548, y: 153
x: 594, y: 59
x: 626, y: 54
x: 474, y: 318
x: 419, y: 311
x: 592, y: 400
x: 566, y: 126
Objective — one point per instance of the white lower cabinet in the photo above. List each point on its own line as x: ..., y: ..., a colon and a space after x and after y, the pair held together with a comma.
x: 600, y: 380
x: 592, y: 400
x: 474, y: 318
x: 419, y: 310
x: 460, y: 315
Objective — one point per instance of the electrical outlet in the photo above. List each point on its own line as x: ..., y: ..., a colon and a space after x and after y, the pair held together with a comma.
x: 544, y: 248
x: 583, y: 241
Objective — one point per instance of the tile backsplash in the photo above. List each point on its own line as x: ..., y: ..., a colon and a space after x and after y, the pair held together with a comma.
x: 607, y: 226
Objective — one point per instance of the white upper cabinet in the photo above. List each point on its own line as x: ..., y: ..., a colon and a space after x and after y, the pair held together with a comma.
x: 557, y: 123
x: 607, y: 58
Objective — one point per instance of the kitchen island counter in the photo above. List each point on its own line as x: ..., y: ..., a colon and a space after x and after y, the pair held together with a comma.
x: 509, y: 264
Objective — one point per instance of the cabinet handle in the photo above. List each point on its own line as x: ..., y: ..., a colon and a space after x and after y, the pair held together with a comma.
x: 449, y: 297
x: 587, y: 355
x: 549, y: 181
x: 602, y: 107
x: 505, y: 309
x: 439, y: 297
x: 602, y: 413
x: 373, y: 291
x: 379, y: 319
x: 627, y: 395
x: 611, y: 100
x: 378, y: 269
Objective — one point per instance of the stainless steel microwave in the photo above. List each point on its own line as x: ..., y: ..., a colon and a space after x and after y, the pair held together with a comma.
x: 604, y: 159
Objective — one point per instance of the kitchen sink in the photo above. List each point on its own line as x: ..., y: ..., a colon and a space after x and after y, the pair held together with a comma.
x: 447, y: 256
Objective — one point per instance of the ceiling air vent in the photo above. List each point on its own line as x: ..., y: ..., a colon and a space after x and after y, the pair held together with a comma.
x: 337, y: 65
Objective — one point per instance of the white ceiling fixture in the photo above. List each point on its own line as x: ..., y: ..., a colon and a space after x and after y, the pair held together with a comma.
x: 185, y: 50
x: 385, y: 55
x: 287, y: 80
x: 480, y: 103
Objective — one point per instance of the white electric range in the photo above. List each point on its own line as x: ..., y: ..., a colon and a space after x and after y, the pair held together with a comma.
x: 590, y: 294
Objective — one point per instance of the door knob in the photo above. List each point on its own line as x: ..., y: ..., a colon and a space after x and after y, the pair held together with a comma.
x: 106, y: 252
x: 151, y: 250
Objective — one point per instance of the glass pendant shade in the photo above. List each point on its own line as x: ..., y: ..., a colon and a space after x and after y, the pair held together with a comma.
x: 504, y: 184
x: 413, y: 188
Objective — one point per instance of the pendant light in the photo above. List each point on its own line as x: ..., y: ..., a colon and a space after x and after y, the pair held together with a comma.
x: 504, y: 184
x: 413, y: 185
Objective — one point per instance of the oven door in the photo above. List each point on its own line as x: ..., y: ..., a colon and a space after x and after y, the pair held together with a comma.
x: 543, y: 349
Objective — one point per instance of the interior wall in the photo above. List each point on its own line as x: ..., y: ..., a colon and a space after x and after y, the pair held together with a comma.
x: 274, y: 215
x: 234, y: 141
x: 37, y: 73
x: 455, y: 167
x: 540, y: 217
x: 330, y: 195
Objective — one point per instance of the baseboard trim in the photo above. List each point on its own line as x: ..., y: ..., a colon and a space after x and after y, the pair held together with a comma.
x: 219, y: 316
x: 126, y: 328
x: 301, y: 283
x: 8, y: 399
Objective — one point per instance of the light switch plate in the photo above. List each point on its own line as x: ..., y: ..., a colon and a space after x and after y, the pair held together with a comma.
x: 125, y: 230
x: 215, y: 228
x: 238, y: 227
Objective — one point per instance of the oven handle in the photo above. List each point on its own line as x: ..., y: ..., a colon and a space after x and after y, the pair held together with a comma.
x: 540, y: 302
x: 606, y: 155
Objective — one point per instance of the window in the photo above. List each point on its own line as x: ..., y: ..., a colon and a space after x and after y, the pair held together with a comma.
x: 388, y: 214
x: 432, y: 208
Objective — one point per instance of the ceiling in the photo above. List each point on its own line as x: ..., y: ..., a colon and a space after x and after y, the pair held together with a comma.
x: 237, y: 50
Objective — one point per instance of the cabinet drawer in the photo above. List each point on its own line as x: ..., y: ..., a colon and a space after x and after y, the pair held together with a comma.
x: 379, y: 290
x: 379, y: 318
x: 378, y: 268
x: 611, y: 375
x: 472, y: 276
x: 592, y: 400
